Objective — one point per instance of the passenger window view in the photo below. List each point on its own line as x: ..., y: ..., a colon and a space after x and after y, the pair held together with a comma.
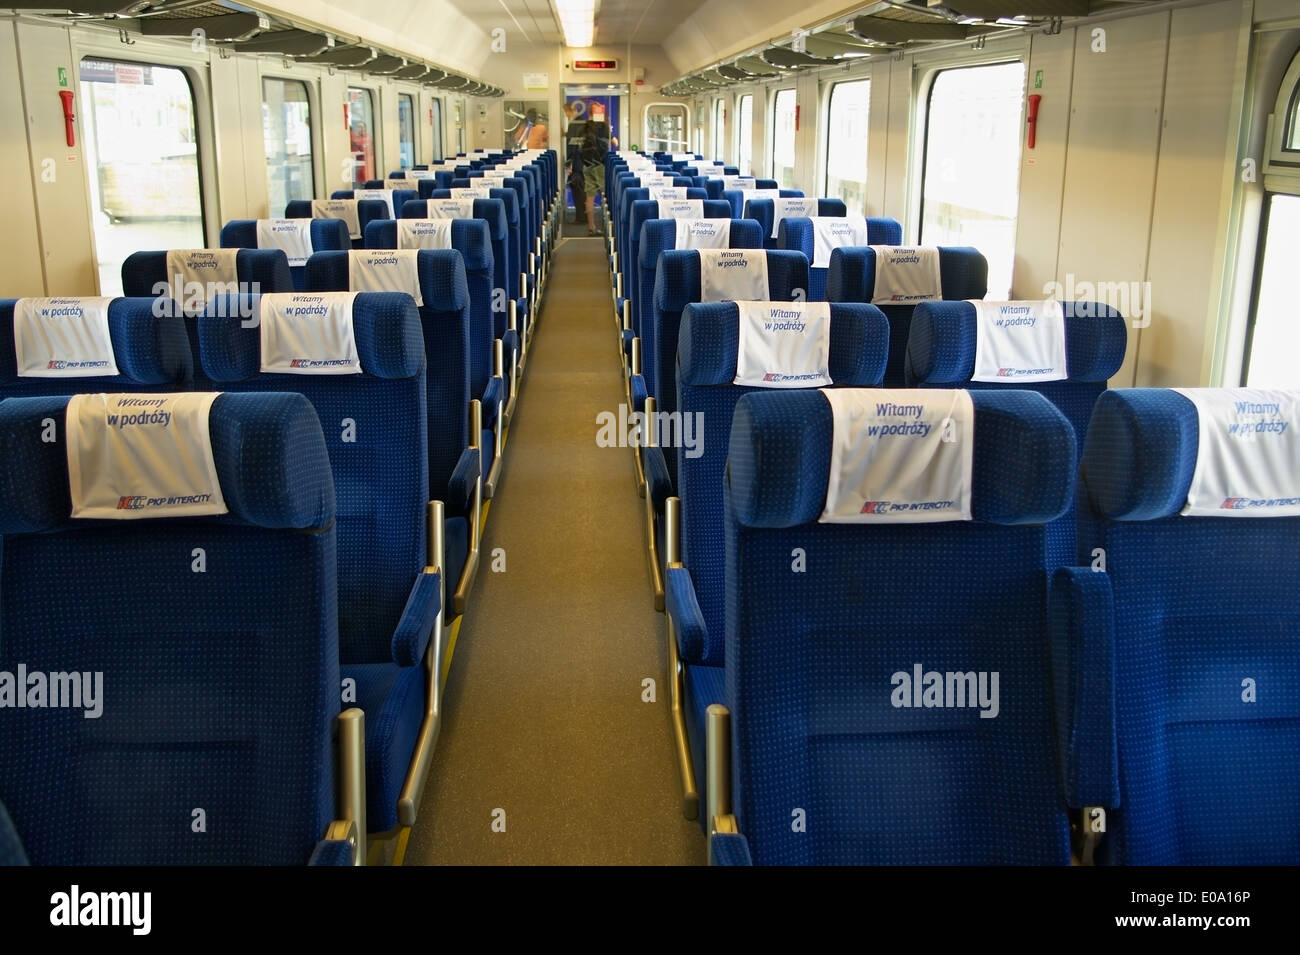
x: 592, y: 434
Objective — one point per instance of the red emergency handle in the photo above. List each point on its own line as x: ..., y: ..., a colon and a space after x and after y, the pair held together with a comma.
x: 1034, y: 100
x: 66, y: 96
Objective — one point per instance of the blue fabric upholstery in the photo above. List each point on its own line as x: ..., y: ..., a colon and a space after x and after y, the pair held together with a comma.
x: 736, y: 197
x: 375, y: 432
x: 445, y: 320
x: 1206, y: 685
x: 367, y: 209
x: 469, y: 237
x: 332, y: 852
x: 963, y: 274
x: 219, y: 689
x: 706, y: 370
x: 729, y: 848
x: 941, y: 354
x: 763, y: 211
x: 798, y: 233
x: 327, y: 235
x: 256, y: 270
x: 677, y: 284
x: 813, y: 658
x: 152, y: 352
x: 1081, y: 616
x: 639, y: 270
x: 497, y: 212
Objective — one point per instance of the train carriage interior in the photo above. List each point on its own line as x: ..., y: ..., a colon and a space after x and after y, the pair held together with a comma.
x: 650, y: 433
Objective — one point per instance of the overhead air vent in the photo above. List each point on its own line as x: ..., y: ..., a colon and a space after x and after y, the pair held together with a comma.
x: 788, y: 59
x: 344, y: 57
x: 286, y: 43
x: 385, y: 64
x: 756, y: 67
x: 226, y: 26
x: 998, y: 9
x: 892, y: 32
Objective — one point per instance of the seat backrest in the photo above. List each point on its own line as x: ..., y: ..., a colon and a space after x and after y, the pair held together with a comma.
x: 677, y: 284
x: 149, y: 347
x: 941, y: 354
x: 445, y: 323
x: 471, y: 238
x: 823, y: 666
x: 963, y: 274
x: 659, y: 354
x: 770, y: 213
x: 1188, y: 637
x: 441, y: 180
x: 706, y: 396
x: 375, y: 431
x: 208, y: 643
x: 363, y: 210
x: 326, y: 235
x: 716, y: 185
x: 639, y: 212
x: 495, y: 212
x: 256, y: 271
x: 800, y: 232
x: 391, y: 199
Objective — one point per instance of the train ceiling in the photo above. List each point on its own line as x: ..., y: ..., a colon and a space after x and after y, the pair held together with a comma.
x: 243, y: 29
x: 890, y: 27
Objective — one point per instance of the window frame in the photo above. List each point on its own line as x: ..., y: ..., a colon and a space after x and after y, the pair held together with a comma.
x: 197, y: 81
x: 772, y: 132
x: 686, y: 125
x: 719, y: 129
x: 916, y: 184
x: 747, y: 163
x: 412, y: 100
x: 313, y: 128
x: 831, y: 87
x: 437, y: 147
x: 376, y: 140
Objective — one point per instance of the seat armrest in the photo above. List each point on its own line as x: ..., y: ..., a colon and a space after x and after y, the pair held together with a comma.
x: 411, y: 637
x: 683, y: 608
x: 493, y: 395
x: 460, y: 489
x: 1081, y: 637
x: 729, y: 848
x: 659, y: 487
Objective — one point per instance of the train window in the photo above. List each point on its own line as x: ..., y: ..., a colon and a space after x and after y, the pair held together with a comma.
x: 361, y: 129
x: 143, y: 163
x: 719, y: 123
x: 971, y: 189
x: 745, y: 133
x: 782, y: 135
x: 846, y: 143
x: 1274, y: 336
x: 406, y: 129
x: 286, y: 128
x: 436, y: 113
x: 666, y: 126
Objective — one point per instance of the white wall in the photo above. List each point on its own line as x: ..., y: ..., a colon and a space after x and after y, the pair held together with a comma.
x: 1134, y: 177
x: 47, y: 247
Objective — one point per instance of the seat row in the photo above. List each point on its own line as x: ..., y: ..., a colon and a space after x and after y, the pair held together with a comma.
x: 358, y: 424
x: 898, y: 318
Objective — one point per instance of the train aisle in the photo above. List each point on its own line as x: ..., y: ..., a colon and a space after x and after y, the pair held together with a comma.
x: 544, y: 716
